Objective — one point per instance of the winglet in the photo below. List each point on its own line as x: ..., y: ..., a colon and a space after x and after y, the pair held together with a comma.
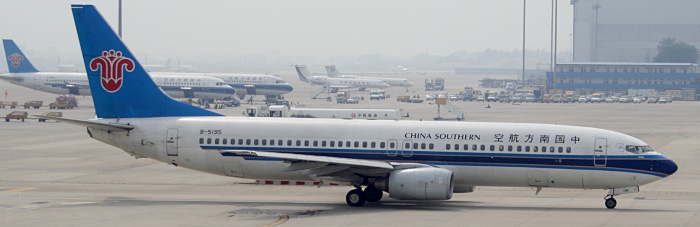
x: 17, y: 62
x: 120, y: 86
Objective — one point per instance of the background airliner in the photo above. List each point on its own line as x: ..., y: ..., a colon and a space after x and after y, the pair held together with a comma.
x: 412, y: 160
x: 332, y: 84
x: 247, y: 84
x: 394, y: 82
x: 23, y: 73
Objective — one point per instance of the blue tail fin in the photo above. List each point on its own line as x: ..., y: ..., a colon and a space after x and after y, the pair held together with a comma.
x: 120, y: 86
x: 17, y: 62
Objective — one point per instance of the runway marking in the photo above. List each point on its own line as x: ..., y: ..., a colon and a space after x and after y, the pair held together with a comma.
x: 282, y: 219
x: 15, y: 189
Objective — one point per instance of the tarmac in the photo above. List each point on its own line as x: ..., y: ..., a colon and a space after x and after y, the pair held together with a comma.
x: 53, y: 174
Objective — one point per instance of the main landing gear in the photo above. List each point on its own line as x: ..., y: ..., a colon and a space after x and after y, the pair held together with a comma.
x: 357, y: 197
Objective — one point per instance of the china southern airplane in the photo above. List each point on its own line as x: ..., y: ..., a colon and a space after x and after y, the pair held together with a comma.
x: 247, y: 84
x: 394, y: 82
x: 331, y: 84
x: 411, y: 160
x: 24, y: 74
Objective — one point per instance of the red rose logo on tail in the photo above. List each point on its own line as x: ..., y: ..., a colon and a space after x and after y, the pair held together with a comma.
x: 16, y: 59
x: 111, y: 65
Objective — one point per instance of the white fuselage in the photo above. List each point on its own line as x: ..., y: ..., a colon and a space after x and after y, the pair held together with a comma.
x: 394, y: 82
x: 479, y: 154
x: 247, y: 84
x: 334, y: 82
x: 176, y: 86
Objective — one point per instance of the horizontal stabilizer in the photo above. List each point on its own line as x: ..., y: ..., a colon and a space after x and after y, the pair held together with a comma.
x: 116, y: 127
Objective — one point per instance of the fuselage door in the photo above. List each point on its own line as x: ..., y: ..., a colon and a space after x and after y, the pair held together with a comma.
x: 171, y: 142
x: 600, y: 152
x: 406, y: 149
x: 392, y: 147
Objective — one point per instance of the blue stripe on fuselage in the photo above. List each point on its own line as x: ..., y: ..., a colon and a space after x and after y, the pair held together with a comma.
x: 656, y: 165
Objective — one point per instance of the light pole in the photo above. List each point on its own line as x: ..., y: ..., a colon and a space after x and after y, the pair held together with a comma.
x: 524, y: 6
x: 571, y: 44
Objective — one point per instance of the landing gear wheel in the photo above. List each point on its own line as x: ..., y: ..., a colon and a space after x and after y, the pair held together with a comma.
x: 355, y: 198
x: 372, y: 194
x: 610, y: 203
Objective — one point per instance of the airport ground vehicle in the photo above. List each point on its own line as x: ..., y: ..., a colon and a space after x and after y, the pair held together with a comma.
x: 33, y: 104
x: 353, y: 100
x: 64, y: 102
x: 11, y: 104
x: 50, y: 114
x: 16, y: 115
x: 377, y: 94
x: 403, y: 98
x: 341, y: 97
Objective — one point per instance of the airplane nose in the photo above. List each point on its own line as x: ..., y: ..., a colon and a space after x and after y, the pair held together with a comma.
x: 667, y: 166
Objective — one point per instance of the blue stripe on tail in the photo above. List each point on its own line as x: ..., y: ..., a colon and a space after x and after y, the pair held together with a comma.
x: 120, y: 86
x: 17, y: 62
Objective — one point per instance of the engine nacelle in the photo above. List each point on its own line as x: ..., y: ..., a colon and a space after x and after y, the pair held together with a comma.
x: 427, y: 183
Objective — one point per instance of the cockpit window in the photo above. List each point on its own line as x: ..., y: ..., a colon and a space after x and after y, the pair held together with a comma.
x: 639, y: 149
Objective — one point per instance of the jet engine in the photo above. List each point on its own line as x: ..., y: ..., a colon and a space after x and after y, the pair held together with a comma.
x: 426, y: 183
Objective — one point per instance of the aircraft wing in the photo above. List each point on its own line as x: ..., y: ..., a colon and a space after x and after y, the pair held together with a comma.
x: 337, y: 169
x: 341, y: 86
x: 69, y: 85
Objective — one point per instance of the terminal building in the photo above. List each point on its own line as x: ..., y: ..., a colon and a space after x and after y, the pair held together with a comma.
x: 677, y: 79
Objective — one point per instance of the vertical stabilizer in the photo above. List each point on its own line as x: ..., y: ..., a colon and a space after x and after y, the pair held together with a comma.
x: 17, y: 62
x: 302, y: 72
x: 120, y: 86
x: 332, y: 71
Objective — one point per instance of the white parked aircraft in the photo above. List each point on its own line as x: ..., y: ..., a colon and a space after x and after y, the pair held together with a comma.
x: 332, y: 83
x: 247, y: 84
x: 394, y: 82
x: 24, y: 74
x: 412, y: 160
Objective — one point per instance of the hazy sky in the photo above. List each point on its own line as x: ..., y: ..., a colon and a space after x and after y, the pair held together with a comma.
x: 305, y: 28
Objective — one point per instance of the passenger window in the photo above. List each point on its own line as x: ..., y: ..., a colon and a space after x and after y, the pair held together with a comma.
x: 201, y: 140
x: 373, y: 144
x: 298, y: 143
x: 474, y: 147
x: 561, y: 149
x: 568, y: 149
x: 364, y: 144
x: 466, y: 147
x: 240, y: 141
x: 332, y: 143
x: 264, y: 142
x: 315, y: 143
x: 527, y: 148
x: 492, y: 147
x: 407, y: 146
x: 551, y: 149
x: 255, y: 142
x: 422, y: 146
x: 456, y: 147
x: 483, y: 147
x: 415, y: 146
x: 340, y: 143
x: 281, y: 142
x: 510, y: 147
x: 306, y: 143
x: 534, y: 149
x: 431, y: 146
x: 382, y: 145
x: 224, y: 141
x: 347, y: 144
x: 500, y: 147
x: 247, y: 141
x: 519, y: 148
x: 289, y: 143
x: 357, y: 144
x: 208, y: 140
x: 392, y: 145
x: 272, y: 142
x: 447, y: 146
x: 233, y: 141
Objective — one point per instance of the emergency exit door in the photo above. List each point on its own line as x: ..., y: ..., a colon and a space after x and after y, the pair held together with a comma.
x: 171, y: 140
